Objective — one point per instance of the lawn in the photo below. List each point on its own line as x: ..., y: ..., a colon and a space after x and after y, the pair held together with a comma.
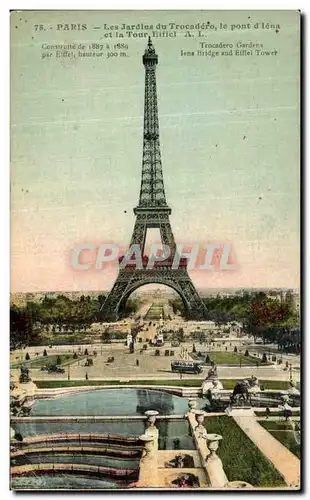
x: 295, y: 413
x: 241, y: 458
x: 267, y: 384
x: 227, y: 383
x: 155, y: 312
x: 282, y: 431
x: 233, y: 358
x: 38, y: 362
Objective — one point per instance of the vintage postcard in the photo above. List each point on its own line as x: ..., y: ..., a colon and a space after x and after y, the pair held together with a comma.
x: 155, y: 250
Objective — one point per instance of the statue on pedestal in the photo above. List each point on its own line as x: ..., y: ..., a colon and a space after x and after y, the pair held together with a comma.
x: 242, y: 390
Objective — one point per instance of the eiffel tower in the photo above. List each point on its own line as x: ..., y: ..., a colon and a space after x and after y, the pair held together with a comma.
x: 152, y: 212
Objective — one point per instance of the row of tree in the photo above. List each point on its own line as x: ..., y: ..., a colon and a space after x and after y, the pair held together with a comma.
x: 53, y: 315
x: 57, y: 315
x: 260, y: 315
x: 269, y: 317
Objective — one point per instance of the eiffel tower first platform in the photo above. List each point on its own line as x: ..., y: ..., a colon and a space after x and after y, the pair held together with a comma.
x: 152, y: 212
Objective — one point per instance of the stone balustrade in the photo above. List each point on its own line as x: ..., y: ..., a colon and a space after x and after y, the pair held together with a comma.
x: 207, y: 445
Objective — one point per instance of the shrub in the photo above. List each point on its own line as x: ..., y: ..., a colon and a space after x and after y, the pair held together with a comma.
x: 235, y: 349
x: 264, y: 358
x: 157, y: 352
x: 45, y: 352
x: 75, y: 356
x: 208, y: 360
x: 58, y: 361
x: 274, y: 358
x: 167, y: 352
x: 27, y: 357
x: 145, y: 347
x: 246, y: 353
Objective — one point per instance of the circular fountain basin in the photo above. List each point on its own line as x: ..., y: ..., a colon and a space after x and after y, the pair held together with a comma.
x: 123, y: 402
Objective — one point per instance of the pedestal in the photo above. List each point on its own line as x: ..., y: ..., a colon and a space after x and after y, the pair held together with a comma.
x: 200, y: 430
x: 148, y: 475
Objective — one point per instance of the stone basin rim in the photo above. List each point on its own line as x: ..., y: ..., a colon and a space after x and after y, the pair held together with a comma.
x: 214, y: 437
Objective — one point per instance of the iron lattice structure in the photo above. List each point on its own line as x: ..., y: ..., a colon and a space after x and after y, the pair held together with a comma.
x: 152, y: 212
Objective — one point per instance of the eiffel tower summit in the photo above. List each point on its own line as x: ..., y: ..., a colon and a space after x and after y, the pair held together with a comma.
x: 152, y: 212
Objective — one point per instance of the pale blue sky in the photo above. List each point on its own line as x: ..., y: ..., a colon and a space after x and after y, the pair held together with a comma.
x: 229, y: 132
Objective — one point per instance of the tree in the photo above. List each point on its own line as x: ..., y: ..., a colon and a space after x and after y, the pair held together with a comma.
x: 105, y: 336
x: 21, y: 328
x: 45, y: 352
x: 246, y: 352
x: 177, y: 306
x: 27, y: 357
x: 75, y: 356
x: 58, y: 360
x: 180, y: 335
x: 86, y: 352
x: 264, y: 358
x: 101, y: 298
x: 194, y: 349
x: 290, y: 302
x: 208, y: 360
x: 235, y: 349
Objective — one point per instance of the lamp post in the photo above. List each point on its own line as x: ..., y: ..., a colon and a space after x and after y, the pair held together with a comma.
x: 291, y: 372
x: 69, y: 371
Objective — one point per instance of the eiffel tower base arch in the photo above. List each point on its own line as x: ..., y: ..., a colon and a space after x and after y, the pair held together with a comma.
x: 129, y: 280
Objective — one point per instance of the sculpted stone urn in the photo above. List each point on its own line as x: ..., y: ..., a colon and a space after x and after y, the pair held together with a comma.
x: 151, y: 417
x: 200, y: 429
x: 285, y: 397
x: 147, y: 441
x: 213, y: 444
x: 239, y: 484
x: 192, y: 404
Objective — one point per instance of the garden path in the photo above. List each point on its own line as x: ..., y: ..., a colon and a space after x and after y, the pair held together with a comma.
x: 284, y: 460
